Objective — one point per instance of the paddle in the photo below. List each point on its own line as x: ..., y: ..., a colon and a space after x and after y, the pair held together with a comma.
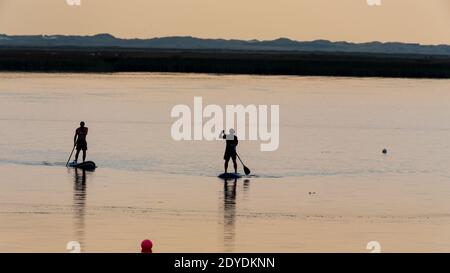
x: 246, y: 170
x: 67, y: 164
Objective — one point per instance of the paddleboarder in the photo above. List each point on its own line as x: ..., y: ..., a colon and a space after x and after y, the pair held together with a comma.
x: 79, y: 140
x: 230, y: 150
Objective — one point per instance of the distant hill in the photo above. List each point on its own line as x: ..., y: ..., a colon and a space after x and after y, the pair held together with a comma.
x: 282, y: 44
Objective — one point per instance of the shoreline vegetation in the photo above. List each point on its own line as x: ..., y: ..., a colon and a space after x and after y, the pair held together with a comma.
x: 222, y: 61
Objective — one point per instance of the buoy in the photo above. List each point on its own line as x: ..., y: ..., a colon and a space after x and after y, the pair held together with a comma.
x: 384, y: 151
x: 146, y: 246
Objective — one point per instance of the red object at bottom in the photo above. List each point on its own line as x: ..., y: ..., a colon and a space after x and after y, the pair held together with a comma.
x: 146, y: 246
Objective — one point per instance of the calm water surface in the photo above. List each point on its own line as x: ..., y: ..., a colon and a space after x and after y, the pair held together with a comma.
x: 332, y: 132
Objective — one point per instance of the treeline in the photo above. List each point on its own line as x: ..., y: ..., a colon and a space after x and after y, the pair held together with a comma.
x: 223, y: 62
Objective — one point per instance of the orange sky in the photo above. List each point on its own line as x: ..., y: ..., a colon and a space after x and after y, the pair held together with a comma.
x: 422, y: 21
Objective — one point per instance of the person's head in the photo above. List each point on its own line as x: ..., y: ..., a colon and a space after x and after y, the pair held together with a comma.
x: 82, y: 124
x: 232, y: 131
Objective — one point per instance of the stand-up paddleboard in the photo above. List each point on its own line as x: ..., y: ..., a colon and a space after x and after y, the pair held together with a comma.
x: 88, y: 165
x: 229, y: 176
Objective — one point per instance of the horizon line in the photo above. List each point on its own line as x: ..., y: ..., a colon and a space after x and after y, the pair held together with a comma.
x: 229, y: 39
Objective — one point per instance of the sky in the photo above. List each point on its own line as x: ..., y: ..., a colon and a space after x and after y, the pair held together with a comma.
x: 416, y: 21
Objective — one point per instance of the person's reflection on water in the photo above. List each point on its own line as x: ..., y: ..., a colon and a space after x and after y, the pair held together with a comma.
x: 79, y: 204
x: 229, y: 208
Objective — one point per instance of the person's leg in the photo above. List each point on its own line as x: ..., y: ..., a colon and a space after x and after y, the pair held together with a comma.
x: 76, y: 155
x: 226, y: 164
x: 235, y: 165
x: 84, y: 155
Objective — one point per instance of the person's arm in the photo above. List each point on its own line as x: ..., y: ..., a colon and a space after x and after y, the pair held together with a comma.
x: 87, y: 129
x: 222, y: 134
x: 235, y: 143
x: 75, y: 138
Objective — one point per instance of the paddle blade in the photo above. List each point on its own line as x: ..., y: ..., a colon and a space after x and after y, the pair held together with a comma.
x: 247, y: 170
